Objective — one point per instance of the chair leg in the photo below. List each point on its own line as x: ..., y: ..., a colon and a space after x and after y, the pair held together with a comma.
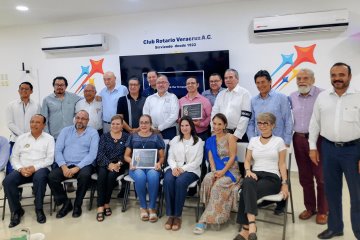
x: 285, y: 219
x: 126, y: 196
x: 51, y: 203
x: 4, y: 205
x: 292, y: 205
x: 92, y: 194
x: 161, y: 201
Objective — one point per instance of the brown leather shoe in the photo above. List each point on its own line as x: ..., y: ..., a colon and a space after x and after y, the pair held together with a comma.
x: 321, y: 219
x: 306, y: 214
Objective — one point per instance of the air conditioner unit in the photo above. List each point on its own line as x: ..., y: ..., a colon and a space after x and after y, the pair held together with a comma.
x: 336, y: 20
x: 74, y: 43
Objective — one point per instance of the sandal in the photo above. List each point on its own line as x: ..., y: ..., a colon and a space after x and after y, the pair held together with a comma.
x: 239, y: 236
x: 100, y: 216
x: 199, y: 228
x: 144, y: 215
x: 153, y: 217
x: 169, y: 223
x: 177, y: 224
x: 252, y: 236
x: 108, y: 212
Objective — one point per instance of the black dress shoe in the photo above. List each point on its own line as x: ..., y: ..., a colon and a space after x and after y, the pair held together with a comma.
x: 327, y: 234
x: 66, y: 208
x: 15, y: 218
x: 77, y: 212
x: 40, y: 216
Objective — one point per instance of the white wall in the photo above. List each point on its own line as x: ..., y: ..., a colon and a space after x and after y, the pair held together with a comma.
x: 230, y: 27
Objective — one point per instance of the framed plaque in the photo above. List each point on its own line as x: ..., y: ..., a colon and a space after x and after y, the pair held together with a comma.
x: 193, y: 110
x: 144, y: 158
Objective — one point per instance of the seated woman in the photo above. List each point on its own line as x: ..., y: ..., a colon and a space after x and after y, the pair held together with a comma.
x: 219, y: 188
x: 110, y: 164
x: 268, y: 153
x: 185, y: 157
x: 146, y: 139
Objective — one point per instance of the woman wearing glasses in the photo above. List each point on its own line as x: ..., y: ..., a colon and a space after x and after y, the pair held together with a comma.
x: 267, y: 176
x: 146, y: 139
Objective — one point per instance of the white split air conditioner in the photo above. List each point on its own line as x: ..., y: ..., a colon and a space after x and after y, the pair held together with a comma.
x: 336, y: 20
x: 84, y: 42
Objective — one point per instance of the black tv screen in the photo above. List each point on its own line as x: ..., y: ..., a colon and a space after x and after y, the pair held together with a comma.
x: 177, y: 67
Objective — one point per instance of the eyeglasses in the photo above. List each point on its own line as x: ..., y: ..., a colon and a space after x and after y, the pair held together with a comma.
x: 59, y: 85
x: 144, y: 123
x: 134, y: 85
x: 263, y: 124
x: 215, y: 81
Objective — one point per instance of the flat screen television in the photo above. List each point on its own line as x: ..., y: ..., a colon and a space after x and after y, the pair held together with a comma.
x: 177, y: 67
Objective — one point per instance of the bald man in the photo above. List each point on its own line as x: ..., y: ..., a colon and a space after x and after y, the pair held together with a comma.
x: 110, y: 96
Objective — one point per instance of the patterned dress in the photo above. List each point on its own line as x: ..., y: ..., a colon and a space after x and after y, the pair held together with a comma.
x: 221, y: 196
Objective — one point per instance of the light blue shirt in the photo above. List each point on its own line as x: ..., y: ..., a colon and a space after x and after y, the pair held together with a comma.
x: 4, y: 152
x: 277, y: 104
x: 59, y: 112
x: 74, y: 149
x: 110, y: 101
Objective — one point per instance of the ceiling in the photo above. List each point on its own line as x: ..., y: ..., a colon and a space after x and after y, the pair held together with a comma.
x: 48, y: 11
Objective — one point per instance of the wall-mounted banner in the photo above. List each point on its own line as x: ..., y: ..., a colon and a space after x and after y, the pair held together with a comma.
x: 178, y: 42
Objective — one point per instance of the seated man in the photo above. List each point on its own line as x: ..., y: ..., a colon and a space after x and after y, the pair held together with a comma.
x: 32, y: 155
x: 75, y: 151
x: 4, y: 157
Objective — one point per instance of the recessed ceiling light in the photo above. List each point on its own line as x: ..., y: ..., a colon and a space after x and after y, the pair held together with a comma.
x: 22, y: 8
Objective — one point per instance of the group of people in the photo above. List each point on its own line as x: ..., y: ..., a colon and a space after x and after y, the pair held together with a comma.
x: 69, y: 137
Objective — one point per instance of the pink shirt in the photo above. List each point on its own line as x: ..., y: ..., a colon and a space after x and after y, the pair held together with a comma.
x: 206, y: 110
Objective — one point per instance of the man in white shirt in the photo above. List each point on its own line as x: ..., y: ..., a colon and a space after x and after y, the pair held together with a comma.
x: 19, y: 112
x: 110, y: 95
x: 235, y: 103
x: 163, y: 107
x: 32, y: 156
x: 336, y: 117
x: 93, y: 107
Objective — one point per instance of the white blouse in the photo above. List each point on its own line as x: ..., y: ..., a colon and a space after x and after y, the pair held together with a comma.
x: 186, y: 155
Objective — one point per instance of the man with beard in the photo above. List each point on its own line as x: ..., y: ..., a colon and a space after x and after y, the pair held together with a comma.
x: 336, y: 117
x: 75, y: 151
x: 302, y: 102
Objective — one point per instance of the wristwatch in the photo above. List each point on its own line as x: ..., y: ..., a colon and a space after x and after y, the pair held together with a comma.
x: 285, y: 182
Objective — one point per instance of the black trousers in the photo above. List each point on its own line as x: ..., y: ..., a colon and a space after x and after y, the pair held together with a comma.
x: 105, y: 184
x: 252, y: 190
x: 83, y: 177
x: 14, y: 179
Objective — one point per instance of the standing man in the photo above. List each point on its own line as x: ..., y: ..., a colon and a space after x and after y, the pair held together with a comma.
x: 152, y: 76
x: 19, y: 112
x: 269, y: 100
x: 59, y: 107
x: 234, y: 103
x: 163, y: 107
x: 4, y: 157
x: 76, y: 149
x: 130, y: 107
x: 336, y: 118
x: 32, y: 156
x: 93, y: 107
x: 302, y: 102
x: 215, y: 81
x: 193, y: 96
x: 110, y: 96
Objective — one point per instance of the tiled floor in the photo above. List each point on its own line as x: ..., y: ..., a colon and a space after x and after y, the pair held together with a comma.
x: 128, y: 225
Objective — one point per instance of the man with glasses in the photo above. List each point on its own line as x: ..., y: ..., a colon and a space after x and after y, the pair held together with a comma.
x: 163, y: 107
x: 93, y: 107
x: 130, y: 107
x: 193, y: 96
x: 215, y: 81
x: 59, y: 107
x: 75, y: 151
x: 19, y: 112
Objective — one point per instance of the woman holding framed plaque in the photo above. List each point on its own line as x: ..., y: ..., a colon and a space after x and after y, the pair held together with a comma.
x: 145, y: 154
x: 110, y: 164
x: 219, y: 189
x: 185, y: 157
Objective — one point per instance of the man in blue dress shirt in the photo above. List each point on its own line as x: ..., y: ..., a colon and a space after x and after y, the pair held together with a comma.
x: 75, y: 151
x: 110, y: 96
